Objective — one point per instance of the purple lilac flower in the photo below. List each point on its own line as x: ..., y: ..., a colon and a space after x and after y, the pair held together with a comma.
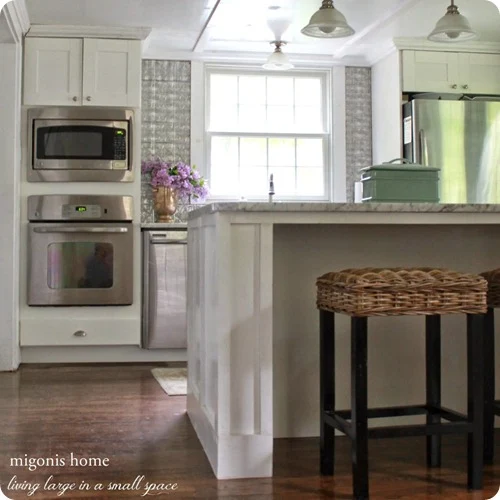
x: 184, y: 179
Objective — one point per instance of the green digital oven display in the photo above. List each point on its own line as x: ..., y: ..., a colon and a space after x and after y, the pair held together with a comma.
x: 81, y: 209
x: 120, y: 132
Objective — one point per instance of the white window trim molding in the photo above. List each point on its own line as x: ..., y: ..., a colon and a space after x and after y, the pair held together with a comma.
x: 338, y: 174
x: 198, y: 117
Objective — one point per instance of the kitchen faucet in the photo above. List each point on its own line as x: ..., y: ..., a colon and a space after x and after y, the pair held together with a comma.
x: 271, y: 188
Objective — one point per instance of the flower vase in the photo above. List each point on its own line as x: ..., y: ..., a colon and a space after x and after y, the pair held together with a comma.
x: 165, y: 203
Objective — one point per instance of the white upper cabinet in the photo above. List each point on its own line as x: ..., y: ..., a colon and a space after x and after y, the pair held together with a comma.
x: 481, y: 72
x: 111, y: 72
x: 76, y: 72
x: 455, y: 72
x: 53, y: 71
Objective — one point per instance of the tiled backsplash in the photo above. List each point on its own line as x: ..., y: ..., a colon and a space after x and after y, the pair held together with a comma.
x: 358, y: 124
x: 166, y: 120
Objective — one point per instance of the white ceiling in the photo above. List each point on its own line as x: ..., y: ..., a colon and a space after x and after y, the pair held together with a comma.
x: 211, y: 27
x: 5, y: 34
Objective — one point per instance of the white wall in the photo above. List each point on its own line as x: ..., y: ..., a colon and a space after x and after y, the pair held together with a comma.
x: 10, y: 77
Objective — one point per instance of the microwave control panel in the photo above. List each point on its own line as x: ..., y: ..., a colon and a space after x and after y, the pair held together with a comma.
x: 81, y: 211
x: 120, y: 144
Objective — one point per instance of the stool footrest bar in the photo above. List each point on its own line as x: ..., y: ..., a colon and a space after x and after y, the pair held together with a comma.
x: 404, y: 411
x: 419, y: 430
x: 338, y: 423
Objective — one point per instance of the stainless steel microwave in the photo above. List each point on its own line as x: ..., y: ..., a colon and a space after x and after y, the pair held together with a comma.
x: 80, y: 144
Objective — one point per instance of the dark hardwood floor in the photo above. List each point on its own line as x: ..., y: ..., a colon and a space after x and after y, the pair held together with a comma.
x: 120, y: 413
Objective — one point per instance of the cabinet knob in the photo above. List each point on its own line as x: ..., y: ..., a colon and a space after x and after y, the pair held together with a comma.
x: 80, y: 333
x: 465, y: 86
x: 75, y: 98
x: 454, y: 86
x: 89, y: 98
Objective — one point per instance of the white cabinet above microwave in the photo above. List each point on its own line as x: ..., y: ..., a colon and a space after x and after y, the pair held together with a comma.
x: 82, y: 72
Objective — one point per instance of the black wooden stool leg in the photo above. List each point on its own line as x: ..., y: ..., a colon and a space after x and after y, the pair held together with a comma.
x: 327, y: 389
x: 359, y: 402
x: 433, y: 384
x: 475, y: 399
x: 489, y: 385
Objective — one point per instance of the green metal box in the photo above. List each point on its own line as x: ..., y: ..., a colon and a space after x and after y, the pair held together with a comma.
x: 400, y: 183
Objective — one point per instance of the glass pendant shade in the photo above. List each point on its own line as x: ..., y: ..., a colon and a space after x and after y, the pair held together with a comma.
x: 277, y: 60
x: 327, y: 22
x: 452, y: 27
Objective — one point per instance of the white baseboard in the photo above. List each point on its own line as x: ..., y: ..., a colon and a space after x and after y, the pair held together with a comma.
x: 101, y: 354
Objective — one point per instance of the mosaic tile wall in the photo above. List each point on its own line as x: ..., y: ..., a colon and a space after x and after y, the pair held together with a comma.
x: 358, y: 124
x: 166, y: 120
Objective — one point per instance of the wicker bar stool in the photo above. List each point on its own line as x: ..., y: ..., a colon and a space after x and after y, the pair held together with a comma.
x: 491, y: 407
x: 361, y: 293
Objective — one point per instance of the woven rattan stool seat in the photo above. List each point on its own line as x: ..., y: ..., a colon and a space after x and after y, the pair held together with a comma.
x: 493, y: 279
x: 401, y: 291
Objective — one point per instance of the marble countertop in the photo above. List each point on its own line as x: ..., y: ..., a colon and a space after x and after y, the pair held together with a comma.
x: 324, y: 207
x: 163, y: 225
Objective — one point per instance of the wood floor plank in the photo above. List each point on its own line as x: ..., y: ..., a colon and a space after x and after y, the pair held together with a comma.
x: 121, y: 413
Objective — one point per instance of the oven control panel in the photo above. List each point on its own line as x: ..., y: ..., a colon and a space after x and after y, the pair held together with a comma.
x: 81, y: 211
x: 79, y: 207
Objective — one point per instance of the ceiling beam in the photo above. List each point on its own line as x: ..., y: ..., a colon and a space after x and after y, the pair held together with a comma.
x: 198, y: 45
x: 379, y: 23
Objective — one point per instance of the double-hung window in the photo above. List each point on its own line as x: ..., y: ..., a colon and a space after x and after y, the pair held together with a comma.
x: 261, y: 123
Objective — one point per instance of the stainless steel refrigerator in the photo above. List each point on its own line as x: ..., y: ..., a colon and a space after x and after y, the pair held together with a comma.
x: 462, y: 138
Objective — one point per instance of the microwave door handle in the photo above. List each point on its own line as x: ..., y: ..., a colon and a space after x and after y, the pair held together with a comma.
x: 80, y: 230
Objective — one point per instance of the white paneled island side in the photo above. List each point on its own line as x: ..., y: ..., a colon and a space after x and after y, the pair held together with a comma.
x: 253, y: 342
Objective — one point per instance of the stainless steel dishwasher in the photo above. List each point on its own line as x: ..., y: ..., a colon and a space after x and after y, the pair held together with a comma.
x: 164, y: 289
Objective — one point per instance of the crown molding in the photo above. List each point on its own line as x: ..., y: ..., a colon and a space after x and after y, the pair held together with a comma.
x: 16, y: 15
x: 353, y: 61
x: 120, y: 32
x: 403, y: 43
x: 237, y: 57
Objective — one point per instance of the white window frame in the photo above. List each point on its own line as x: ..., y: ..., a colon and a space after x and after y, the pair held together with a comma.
x: 326, y: 81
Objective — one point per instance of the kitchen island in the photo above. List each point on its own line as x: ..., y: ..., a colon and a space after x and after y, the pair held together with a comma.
x: 253, y: 343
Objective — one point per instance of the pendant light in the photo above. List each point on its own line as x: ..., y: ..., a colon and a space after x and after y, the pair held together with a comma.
x: 277, y: 60
x: 452, y: 27
x: 327, y: 22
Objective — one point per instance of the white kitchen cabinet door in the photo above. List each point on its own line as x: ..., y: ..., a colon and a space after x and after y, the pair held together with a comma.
x: 53, y: 71
x: 480, y: 73
x: 111, y: 72
x: 427, y: 71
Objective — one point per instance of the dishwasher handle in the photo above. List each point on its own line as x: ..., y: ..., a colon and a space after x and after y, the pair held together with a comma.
x: 159, y: 241
x: 165, y: 237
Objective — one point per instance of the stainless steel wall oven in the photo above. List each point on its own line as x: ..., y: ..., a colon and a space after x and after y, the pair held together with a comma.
x: 80, y: 144
x: 80, y: 250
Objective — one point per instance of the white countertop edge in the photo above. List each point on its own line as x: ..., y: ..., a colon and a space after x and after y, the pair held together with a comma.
x: 280, y: 207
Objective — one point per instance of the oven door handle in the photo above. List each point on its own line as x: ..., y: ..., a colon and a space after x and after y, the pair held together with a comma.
x: 80, y: 230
